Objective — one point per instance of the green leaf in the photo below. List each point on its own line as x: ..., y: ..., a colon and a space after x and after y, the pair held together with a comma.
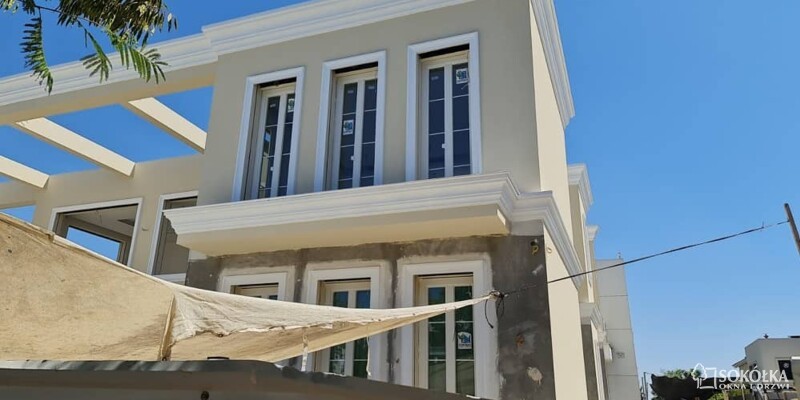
x: 33, y: 51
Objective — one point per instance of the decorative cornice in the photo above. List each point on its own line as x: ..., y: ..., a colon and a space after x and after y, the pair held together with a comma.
x: 495, y: 189
x: 179, y: 53
x: 591, y: 231
x: 545, y: 13
x: 579, y: 176
x: 308, y: 19
x: 591, y: 313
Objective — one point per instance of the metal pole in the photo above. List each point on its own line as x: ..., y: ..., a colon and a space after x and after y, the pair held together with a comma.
x: 790, y: 218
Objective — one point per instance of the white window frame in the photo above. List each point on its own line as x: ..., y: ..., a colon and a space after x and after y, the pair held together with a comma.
x: 487, y: 379
x: 283, y: 92
x: 327, y: 96
x: 156, y: 232
x: 137, y: 201
x: 249, y: 117
x: 380, y: 289
x: 282, y: 276
x: 413, y: 88
x: 445, y: 61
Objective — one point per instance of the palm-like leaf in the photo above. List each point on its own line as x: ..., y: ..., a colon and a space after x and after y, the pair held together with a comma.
x: 33, y: 48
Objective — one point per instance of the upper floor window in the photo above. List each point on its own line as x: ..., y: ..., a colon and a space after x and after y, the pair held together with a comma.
x: 445, y: 115
x: 351, y: 122
x: 272, y: 140
x: 443, y: 128
x: 268, y: 139
x: 354, y: 127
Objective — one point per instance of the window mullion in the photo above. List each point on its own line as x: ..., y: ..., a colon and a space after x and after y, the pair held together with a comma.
x: 448, y: 120
x: 359, y: 133
x: 276, y: 163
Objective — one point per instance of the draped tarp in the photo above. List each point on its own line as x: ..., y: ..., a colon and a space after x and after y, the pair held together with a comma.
x: 62, y: 302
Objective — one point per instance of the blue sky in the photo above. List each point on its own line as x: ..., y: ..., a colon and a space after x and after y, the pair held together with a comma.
x: 687, y: 117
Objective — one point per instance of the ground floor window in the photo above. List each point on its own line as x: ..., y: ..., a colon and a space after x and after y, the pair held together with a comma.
x: 262, y: 291
x: 349, y: 358
x: 108, y: 231
x: 170, y: 257
x: 445, y: 344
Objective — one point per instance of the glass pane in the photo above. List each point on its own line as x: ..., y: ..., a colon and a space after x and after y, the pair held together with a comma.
x: 346, y: 163
x: 465, y: 377
x: 436, y: 116
x: 284, y: 170
x: 368, y: 134
x: 437, y: 335
x: 458, y: 171
x: 286, y: 147
x: 360, y: 368
x: 437, y: 375
x: 273, y: 297
x: 273, y: 108
x: 336, y: 367
x: 350, y: 96
x: 461, y: 146
x: 460, y: 79
x: 367, y: 161
x: 435, y: 152
x: 436, y: 295
x: 281, y: 191
x: 436, y: 83
x: 370, y: 94
x: 340, y: 299
x: 362, y: 299
x: 460, y: 113
x: 345, y: 183
x: 436, y: 173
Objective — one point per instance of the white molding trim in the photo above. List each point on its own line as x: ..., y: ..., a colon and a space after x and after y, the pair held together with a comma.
x: 282, y: 276
x: 379, y: 276
x: 181, y: 53
x: 545, y: 14
x: 23, y: 173
x: 412, y: 99
x: 247, y: 117
x: 495, y: 189
x: 579, y: 176
x: 136, y: 201
x: 309, y: 19
x: 326, y: 99
x: 157, y: 230
x: 487, y: 379
x: 590, y: 313
x: 165, y: 118
x: 65, y: 139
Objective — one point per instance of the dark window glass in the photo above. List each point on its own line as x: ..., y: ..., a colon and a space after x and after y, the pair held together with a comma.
x: 460, y: 113
x: 436, y: 116
x: 436, y: 83
x: 345, y: 183
x: 436, y: 151
x: 350, y: 96
x: 346, y: 163
x: 461, y: 149
x: 458, y: 171
x: 370, y: 94
x: 437, y: 343
x: 368, y: 133
x: 367, y: 160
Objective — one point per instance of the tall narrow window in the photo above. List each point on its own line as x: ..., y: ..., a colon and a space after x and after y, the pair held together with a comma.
x: 171, y: 258
x: 354, y: 127
x: 349, y: 358
x: 271, y: 145
x: 446, y: 349
x: 445, y: 112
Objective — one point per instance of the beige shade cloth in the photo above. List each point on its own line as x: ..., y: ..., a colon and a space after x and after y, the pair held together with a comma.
x: 62, y: 302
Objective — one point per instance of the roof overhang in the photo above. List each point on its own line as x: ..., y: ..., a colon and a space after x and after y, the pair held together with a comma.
x: 473, y: 205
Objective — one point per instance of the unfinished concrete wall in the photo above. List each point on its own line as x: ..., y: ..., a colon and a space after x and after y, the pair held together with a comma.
x: 524, y: 357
